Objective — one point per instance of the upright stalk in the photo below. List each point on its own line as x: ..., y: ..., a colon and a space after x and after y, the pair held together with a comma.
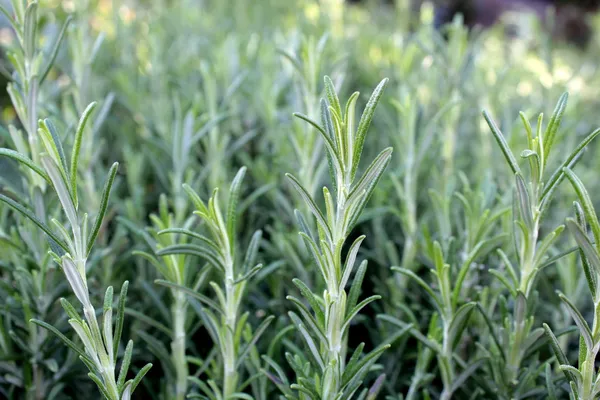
x: 219, y: 251
x: 533, y: 194
x: 584, y: 380
x: 326, y: 333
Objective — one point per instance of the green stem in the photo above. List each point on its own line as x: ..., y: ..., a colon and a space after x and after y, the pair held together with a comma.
x: 229, y: 370
x: 446, y: 364
x: 178, y: 353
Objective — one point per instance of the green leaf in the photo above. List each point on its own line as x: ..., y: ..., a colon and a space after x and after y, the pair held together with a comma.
x: 586, y: 202
x: 554, y: 124
x: 356, y: 285
x: 311, y: 298
x: 76, y: 149
x: 332, y: 97
x: 55, y: 49
x: 203, y: 252
x: 64, y: 339
x: 25, y: 161
x: 120, y: 318
x: 100, y: 385
x: 524, y: 202
x: 103, y: 206
x: 125, y: 366
x: 360, y: 195
x: 49, y: 127
x: 314, y: 350
x: 465, y: 374
x: 570, y: 162
x: 234, y: 195
x: 25, y: 212
x: 583, y: 326
x: 364, y: 124
x: 311, y: 205
x: 356, y: 309
x: 459, y: 322
x: 434, y: 298
x: 590, y: 274
x: 251, y: 252
x: 140, y: 375
x: 508, y: 154
x: 30, y: 30
x: 202, y: 298
x: 350, y: 261
x: 257, y: 334
x: 591, y: 254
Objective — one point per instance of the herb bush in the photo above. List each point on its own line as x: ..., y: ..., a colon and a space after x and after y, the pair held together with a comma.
x: 196, y: 202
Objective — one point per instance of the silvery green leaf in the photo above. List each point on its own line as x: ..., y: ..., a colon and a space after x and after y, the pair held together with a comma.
x: 586, y: 203
x: 356, y: 309
x: 508, y: 154
x: 311, y: 205
x: 27, y: 213
x: 364, y: 124
x: 361, y: 193
x: 138, y: 378
x: 30, y: 30
x: 328, y: 124
x: 520, y: 306
x: 127, y: 392
x: 434, y: 298
x: 350, y: 260
x: 583, y: 326
x: 25, y: 161
x: 554, y: 124
x: 252, y: 250
x: 212, y: 246
x: 358, y: 370
x: 544, y: 246
x: 315, y: 303
x: 107, y: 323
x: 570, y: 162
x: 76, y: 148
x: 574, y: 372
x: 459, y: 322
x: 202, y: 298
x: 101, y: 386
x: 588, y: 270
x: 314, y: 350
x: 316, y: 255
x: 69, y: 309
x: 125, y: 362
x: 250, y: 344
x: 84, y: 334
x: 332, y: 97
x: 203, y: 252
x: 63, y: 338
x: 77, y: 282
x: 465, y: 374
x: 524, y: 202
x: 61, y: 190
x: 234, y: 194
x: 560, y: 355
x: 55, y: 49
x: 590, y: 252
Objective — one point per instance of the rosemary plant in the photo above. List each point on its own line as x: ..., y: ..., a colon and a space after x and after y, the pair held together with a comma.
x: 448, y: 323
x: 533, y: 195
x: 71, y: 251
x: 325, y: 329
x: 584, y: 380
x: 228, y: 325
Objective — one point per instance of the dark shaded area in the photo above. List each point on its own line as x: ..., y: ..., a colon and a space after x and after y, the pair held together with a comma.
x: 566, y: 20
